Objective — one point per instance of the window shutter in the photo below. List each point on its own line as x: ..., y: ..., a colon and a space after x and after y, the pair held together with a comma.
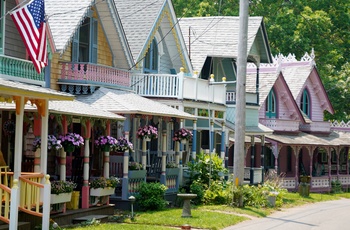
x: 75, y: 47
x: 93, y: 44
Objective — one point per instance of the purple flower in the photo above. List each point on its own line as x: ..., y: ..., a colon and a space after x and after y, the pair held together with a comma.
x: 182, y: 134
x: 147, y: 131
x: 71, y: 139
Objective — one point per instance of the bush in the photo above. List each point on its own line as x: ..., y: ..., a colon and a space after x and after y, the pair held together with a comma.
x: 219, y: 192
x: 197, y: 188
x: 207, y: 168
x: 151, y: 196
x: 336, y: 187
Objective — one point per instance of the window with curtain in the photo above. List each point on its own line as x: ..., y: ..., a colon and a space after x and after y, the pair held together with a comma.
x: 151, y: 58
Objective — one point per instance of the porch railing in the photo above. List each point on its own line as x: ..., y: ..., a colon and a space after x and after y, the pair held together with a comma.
x: 30, y: 193
x: 5, y: 193
x: 319, y: 126
x: 160, y: 85
x: 23, y: 69
x: 88, y: 73
x: 280, y: 125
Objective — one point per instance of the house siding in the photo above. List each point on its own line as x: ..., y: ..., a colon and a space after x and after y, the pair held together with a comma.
x: 165, y: 59
x: 14, y: 45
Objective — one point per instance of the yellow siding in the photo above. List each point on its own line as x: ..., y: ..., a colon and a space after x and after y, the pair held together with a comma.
x: 104, y: 56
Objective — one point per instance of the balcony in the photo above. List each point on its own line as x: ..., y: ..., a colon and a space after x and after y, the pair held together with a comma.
x: 177, y: 87
x: 21, y: 70
x: 280, y: 125
x: 91, y: 75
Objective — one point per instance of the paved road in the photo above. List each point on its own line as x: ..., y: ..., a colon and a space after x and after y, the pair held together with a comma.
x: 327, y: 215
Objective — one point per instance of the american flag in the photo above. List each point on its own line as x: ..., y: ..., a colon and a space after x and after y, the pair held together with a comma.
x: 31, y: 24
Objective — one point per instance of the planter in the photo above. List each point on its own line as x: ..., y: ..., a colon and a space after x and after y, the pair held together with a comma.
x: 101, y: 191
x: 147, y: 139
x: 136, y: 174
x: 183, y: 141
x: 60, y: 198
x: 271, y: 200
x: 106, y: 148
x: 69, y: 148
x: 172, y: 171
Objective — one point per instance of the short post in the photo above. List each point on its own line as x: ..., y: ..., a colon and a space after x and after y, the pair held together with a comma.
x: 132, y: 200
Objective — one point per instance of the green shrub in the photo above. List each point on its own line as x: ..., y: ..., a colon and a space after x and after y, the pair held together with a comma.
x: 151, y: 196
x: 197, y: 188
x: 219, y: 192
x: 207, y: 168
x: 336, y: 187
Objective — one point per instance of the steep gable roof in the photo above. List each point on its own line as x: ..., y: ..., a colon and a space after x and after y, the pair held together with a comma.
x: 64, y: 17
x: 218, y: 37
x: 138, y: 18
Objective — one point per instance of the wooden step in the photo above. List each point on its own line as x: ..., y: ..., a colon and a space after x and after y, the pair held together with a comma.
x: 21, y: 226
x: 101, y: 218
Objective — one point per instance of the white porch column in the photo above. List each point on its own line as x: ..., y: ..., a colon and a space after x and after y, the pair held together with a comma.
x: 17, y: 163
x: 144, y: 151
x: 44, y: 134
x: 63, y: 162
x: 106, y: 165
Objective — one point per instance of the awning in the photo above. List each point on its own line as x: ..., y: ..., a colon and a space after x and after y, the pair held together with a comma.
x: 12, y: 88
x: 122, y: 102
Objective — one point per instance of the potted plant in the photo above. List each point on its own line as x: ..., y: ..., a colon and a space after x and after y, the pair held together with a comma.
x: 103, y: 186
x: 271, y: 198
x: 183, y: 135
x: 61, y: 191
x: 136, y: 171
x: 147, y: 132
x: 52, y: 143
x: 70, y: 141
x: 123, y: 145
x: 105, y: 142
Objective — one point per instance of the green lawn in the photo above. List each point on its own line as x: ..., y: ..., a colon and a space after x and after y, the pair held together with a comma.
x: 207, y: 217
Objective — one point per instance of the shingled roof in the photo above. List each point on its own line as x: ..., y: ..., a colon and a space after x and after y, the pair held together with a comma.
x: 216, y: 37
x: 123, y: 102
x: 64, y: 17
x: 138, y: 18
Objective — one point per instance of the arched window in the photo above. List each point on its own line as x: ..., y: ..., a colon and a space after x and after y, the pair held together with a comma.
x: 270, y: 105
x: 305, y: 102
x: 151, y: 58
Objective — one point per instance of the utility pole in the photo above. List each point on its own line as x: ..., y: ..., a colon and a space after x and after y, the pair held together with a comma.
x: 239, y: 152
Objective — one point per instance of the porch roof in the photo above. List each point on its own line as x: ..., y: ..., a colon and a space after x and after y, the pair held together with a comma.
x: 12, y: 88
x: 69, y: 107
x: 251, y: 130
x: 301, y: 139
x: 122, y: 102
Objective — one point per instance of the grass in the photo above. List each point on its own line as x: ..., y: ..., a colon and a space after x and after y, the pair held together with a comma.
x: 207, y: 216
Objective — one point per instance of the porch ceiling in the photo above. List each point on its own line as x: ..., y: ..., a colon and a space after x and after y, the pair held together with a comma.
x: 122, y: 102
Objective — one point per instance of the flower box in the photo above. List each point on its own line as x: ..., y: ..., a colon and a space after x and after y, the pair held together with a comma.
x: 102, y: 191
x: 136, y: 174
x: 60, y: 198
x: 172, y: 171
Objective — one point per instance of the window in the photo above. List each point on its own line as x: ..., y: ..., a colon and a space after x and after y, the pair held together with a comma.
x: 270, y: 105
x: 305, y: 102
x: 151, y: 58
x: 84, y: 47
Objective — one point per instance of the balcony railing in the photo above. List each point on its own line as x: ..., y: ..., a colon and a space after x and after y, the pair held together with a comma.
x: 88, y: 73
x: 20, y: 68
x: 251, y: 98
x: 280, y: 125
x: 177, y: 86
